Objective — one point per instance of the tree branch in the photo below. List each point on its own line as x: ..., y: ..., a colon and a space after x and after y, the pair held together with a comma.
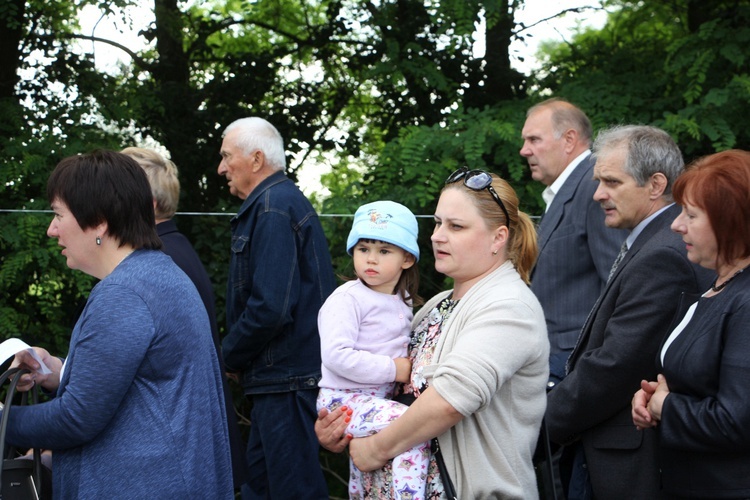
x: 139, y: 61
x: 576, y: 10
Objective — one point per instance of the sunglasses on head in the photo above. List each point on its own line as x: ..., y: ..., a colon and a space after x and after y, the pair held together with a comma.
x: 477, y: 180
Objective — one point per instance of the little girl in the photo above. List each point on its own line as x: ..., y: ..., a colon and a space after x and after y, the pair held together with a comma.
x: 364, y: 331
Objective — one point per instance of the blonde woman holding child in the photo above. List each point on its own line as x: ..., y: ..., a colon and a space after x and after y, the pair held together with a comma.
x: 364, y: 331
x: 480, y: 356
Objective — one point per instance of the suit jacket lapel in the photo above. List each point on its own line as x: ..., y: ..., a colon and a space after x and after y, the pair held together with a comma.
x: 551, y: 219
x: 656, y: 225
x: 663, y: 219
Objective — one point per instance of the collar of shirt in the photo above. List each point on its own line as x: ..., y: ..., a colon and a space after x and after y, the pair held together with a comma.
x: 549, y: 193
x: 642, y: 225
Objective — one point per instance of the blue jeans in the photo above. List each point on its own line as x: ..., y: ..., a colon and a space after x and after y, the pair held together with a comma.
x: 282, y: 450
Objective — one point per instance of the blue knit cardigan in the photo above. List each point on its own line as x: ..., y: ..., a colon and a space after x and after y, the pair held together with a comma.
x: 139, y: 412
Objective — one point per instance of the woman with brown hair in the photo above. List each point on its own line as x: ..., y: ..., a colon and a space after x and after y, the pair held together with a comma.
x: 700, y: 404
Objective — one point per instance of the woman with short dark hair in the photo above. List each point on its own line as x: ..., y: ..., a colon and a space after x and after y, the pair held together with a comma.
x: 138, y: 409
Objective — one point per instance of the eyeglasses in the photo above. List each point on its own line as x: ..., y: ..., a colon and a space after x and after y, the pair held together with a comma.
x: 477, y: 180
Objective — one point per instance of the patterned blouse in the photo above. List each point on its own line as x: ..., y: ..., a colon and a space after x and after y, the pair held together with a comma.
x: 379, y: 484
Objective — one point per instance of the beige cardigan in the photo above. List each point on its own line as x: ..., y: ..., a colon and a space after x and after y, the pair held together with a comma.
x: 491, y: 364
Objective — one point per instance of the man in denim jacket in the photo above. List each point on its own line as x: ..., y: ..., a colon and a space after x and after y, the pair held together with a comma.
x: 279, y: 276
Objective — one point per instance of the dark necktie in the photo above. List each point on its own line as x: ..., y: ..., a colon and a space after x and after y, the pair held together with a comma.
x: 623, y: 251
x: 618, y: 259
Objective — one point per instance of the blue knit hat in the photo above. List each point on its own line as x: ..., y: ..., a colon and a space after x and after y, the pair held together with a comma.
x: 385, y: 221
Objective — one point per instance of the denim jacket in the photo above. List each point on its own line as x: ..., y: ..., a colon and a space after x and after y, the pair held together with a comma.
x: 279, y: 275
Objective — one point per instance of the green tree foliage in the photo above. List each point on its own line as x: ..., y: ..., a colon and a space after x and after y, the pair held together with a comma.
x: 678, y: 65
x: 389, y: 94
x: 333, y: 76
x: 341, y: 76
x: 412, y: 169
x: 437, y: 107
x: 45, y: 114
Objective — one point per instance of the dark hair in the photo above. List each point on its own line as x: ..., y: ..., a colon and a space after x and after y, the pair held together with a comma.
x: 407, y: 286
x: 105, y: 186
x: 719, y: 184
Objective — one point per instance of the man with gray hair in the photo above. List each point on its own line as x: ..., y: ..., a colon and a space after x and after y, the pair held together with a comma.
x: 589, y: 411
x: 279, y: 275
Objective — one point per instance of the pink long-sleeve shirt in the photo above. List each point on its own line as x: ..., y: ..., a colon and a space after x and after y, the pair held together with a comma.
x: 361, y: 331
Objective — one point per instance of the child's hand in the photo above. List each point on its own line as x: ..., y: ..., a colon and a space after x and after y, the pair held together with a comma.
x: 403, y: 369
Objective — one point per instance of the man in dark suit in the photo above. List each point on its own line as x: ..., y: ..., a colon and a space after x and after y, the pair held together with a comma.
x: 589, y: 411
x: 576, y: 249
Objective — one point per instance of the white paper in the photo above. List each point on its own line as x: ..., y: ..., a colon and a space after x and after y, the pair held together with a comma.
x: 13, y: 346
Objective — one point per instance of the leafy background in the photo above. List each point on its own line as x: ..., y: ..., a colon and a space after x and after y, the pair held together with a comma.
x: 387, y: 94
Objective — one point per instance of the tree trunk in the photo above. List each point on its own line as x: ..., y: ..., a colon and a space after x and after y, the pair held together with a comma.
x: 174, y: 116
x: 11, y: 33
x: 500, y: 76
x: 501, y: 82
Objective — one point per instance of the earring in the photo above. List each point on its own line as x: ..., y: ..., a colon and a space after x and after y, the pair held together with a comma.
x: 98, y: 240
x: 494, y: 253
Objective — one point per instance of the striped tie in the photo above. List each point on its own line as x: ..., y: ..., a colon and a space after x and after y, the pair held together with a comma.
x: 618, y: 259
x: 623, y: 251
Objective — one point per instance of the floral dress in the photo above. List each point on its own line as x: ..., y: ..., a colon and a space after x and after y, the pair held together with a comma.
x: 378, y: 484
